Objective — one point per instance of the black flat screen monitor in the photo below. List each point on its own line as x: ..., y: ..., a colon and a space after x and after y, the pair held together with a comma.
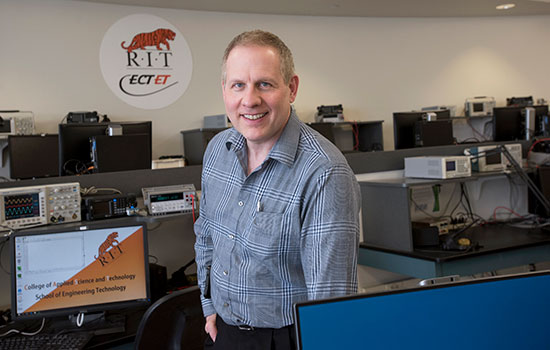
x: 509, y: 125
x: 434, y: 133
x: 33, y: 156
x: 509, y: 312
x: 74, y: 143
x: 404, y: 126
x: 119, y: 153
x: 63, y: 271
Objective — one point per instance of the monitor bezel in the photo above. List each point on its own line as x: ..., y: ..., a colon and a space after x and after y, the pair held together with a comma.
x: 403, y: 126
x: 19, y: 172
x: 86, y: 309
x: 304, y: 304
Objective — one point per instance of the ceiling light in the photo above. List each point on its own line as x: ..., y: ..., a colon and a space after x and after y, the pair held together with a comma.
x: 506, y: 6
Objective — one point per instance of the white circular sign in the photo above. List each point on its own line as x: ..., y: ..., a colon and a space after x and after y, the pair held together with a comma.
x: 146, y: 61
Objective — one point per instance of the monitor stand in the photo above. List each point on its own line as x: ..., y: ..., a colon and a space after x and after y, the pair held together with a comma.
x: 99, y: 323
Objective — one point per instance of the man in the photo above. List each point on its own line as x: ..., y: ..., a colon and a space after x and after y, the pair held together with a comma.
x: 279, y: 211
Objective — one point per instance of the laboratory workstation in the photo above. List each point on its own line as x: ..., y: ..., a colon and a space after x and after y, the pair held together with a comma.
x: 108, y: 108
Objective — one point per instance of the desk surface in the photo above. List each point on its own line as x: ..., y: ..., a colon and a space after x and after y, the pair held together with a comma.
x: 501, y: 246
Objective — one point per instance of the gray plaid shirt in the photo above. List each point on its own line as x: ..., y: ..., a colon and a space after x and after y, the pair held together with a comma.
x: 288, y: 232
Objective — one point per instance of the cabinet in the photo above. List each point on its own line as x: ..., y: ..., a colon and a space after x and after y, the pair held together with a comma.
x: 353, y: 136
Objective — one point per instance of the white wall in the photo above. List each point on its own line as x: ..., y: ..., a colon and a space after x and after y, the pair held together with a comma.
x: 49, y: 62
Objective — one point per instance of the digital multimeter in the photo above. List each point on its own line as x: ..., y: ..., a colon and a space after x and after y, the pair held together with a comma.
x: 169, y: 199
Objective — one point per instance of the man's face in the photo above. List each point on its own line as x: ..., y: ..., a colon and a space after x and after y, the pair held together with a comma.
x: 257, y: 100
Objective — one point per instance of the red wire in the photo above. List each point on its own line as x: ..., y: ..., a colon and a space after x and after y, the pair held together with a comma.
x: 355, y: 131
x: 468, y: 121
x: 510, y: 210
x: 534, y: 143
x: 193, y: 207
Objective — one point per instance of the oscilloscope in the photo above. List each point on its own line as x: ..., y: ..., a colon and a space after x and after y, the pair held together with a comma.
x: 22, y: 207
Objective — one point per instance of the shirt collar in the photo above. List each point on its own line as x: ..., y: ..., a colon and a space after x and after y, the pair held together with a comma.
x: 284, y: 149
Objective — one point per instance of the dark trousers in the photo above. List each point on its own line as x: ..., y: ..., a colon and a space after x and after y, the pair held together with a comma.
x: 233, y: 338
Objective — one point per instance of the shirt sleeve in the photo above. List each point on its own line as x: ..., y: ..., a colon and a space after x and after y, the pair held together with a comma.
x: 330, y: 233
x: 203, y: 252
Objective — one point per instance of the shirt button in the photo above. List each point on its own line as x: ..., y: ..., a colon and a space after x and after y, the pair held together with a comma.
x: 225, y: 273
x: 231, y: 236
x: 225, y: 304
x: 241, y: 203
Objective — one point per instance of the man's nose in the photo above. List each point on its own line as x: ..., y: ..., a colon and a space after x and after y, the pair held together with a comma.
x: 251, y: 97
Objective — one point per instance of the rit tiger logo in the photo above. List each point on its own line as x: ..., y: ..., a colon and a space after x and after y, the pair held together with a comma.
x: 155, y: 38
x: 106, y: 255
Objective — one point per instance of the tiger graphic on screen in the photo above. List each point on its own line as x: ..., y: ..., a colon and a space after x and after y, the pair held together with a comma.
x: 109, y: 242
x: 155, y: 38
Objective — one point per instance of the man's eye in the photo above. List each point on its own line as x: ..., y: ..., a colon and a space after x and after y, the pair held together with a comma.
x: 264, y: 84
x: 238, y: 85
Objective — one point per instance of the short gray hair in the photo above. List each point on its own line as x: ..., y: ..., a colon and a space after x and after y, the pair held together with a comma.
x: 262, y: 38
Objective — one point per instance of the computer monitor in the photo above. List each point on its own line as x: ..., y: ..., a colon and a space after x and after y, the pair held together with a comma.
x: 119, y: 153
x: 509, y: 123
x: 79, y: 269
x: 74, y: 143
x: 508, y: 312
x: 404, y: 126
x: 33, y: 156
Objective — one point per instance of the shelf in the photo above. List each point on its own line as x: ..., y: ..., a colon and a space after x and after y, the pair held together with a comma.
x: 162, y: 218
x: 364, y: 136
x: 474, y: 117
x: 410, y: 182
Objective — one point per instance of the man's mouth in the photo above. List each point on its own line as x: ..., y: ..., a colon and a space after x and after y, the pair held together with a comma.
x: 253, y: 116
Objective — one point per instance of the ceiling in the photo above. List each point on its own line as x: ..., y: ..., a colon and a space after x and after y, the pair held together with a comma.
x: 353, y: 8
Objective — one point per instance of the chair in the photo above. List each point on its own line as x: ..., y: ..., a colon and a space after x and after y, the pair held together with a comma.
x: 175, y: 321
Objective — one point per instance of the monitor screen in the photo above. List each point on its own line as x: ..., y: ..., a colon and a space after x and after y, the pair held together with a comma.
x: 433, y: 133
x: 119, y: 153
x: 60, y: 271
x: 74, y: 143
x: 404, y: 126
x: 508, y: 122
x: 509, y: 312
x: 26, y: 162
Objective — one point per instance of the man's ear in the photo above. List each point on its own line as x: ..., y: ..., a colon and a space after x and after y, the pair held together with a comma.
x: 293, y: 86
x: 223, y: 88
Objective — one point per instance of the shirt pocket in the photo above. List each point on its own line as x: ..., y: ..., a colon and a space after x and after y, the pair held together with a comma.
x: 265, y: 244
x: 266, y: 232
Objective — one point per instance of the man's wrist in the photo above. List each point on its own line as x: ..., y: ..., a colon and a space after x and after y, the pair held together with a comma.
x: 207, y: 308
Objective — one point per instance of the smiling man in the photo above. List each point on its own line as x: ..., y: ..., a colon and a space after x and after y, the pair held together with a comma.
x: 279, y: 215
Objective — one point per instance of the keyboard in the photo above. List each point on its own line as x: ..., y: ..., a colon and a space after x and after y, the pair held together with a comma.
x: 66, y: 341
